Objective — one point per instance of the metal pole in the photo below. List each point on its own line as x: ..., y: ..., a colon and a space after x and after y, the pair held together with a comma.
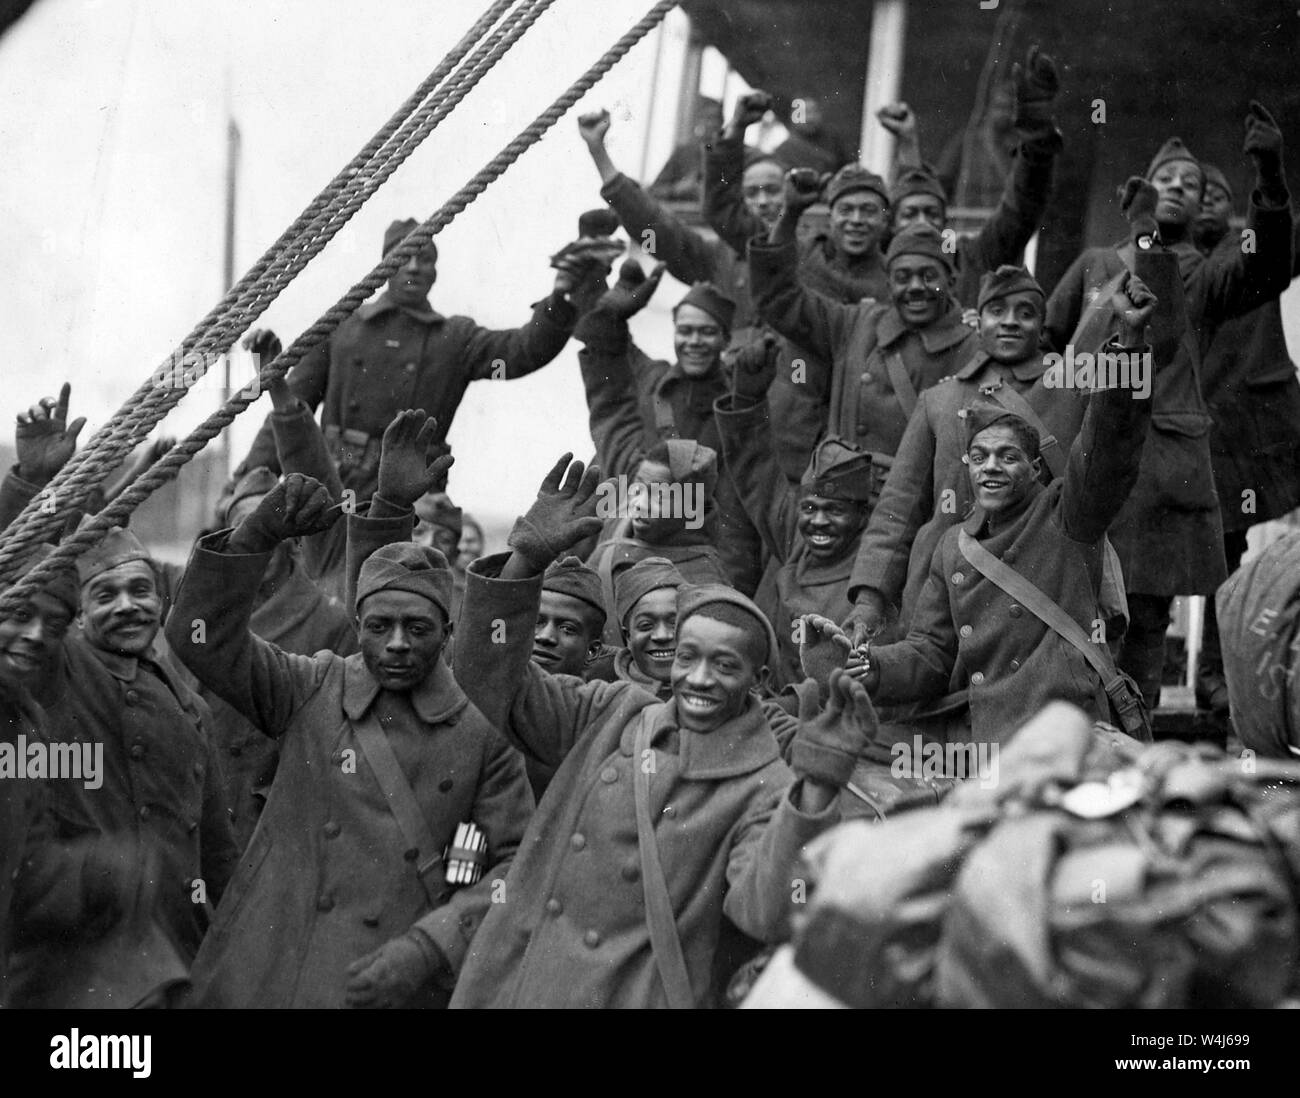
x: 884, y: 82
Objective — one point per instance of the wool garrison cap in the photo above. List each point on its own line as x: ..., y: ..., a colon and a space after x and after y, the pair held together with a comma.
x: 981, y: 414
x: 405, y: 566
x: 119, y: 546
x: 917, y: 181
x: 697, y: 598
x: 62, y: 585
x: 854, y: 177
x: 689, y: 460
x: 706, y: 296
x: 256, y: 482
x: 436, y: 509
x: 399, y: 231
x: 1173, y: 149
x: 757, y: 156
x: 1005, y: 281
x: 634, y: 583
x: 839, y: 470
x: 919, y: 240
x: 1214, y: 174
x: 569, y: 576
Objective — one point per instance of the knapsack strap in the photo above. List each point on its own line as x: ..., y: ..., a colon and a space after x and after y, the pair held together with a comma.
x: 403, y: 805
x: 901, y: 380
x: 658, y: 906
x: 1056, y: 619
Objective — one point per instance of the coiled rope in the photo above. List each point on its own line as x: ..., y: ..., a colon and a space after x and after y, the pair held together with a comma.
x: 164, y: 470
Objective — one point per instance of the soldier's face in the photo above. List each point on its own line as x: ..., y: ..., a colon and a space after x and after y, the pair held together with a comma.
x: 830, y: 527
x: 411, y: 282
x: 920, y: 209
x: 763, y: 189
x: 919, y: 287
x: 652, y: 633
x: 121, y: 609
x: 698, y: 340
x: 1000, y: 470
x: 715, y: 668
x: 1010, y: 327
x: 566, y: 635
x: 471, y: 544
x: 1178, y: 184
x: 1216, y: 209
x: 651, y: 506
x: 858, y: 221
x: 31, y: 635
x: 402, y: 636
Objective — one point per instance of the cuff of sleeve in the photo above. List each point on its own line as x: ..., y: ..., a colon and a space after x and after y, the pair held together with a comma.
x: 27, y: 487
x: 381, y: 508
x: 295, y: 412
x: 438, y: 965
x: 237, y: 564
x: 559, y: 311
x: 603, y: 333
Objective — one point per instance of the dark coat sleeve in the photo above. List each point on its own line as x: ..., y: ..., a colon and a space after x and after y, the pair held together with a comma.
x: 1233, y: 281
x: 768, y: 499
x: 1020, y: 209
x: 806, y: 318
x: 1065, y: 306
x: 218, y: 851
x: 542, y: 715
x: 690, y: 258
x: 308, y: 381
x: 521, y: 350
x: 724, y: 202
x: 920, y: 665
x: 609, y: 364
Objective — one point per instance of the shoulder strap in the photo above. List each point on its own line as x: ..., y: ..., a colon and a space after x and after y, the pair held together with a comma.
x: 1007, y: 396
x: 658, y: 906
x: 402, y: 804
x: 1045, y: 608
x: 901, y: 380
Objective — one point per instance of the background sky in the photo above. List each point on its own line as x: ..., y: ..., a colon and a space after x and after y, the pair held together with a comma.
x: 112, y: 116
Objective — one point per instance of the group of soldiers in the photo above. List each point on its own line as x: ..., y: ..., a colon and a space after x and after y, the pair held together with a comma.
x: 347, y: 764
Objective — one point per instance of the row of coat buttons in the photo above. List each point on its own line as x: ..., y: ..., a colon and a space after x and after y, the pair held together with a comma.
x: 591, y: 938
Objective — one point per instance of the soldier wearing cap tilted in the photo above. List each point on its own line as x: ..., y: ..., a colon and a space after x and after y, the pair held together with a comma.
x: 1169, y: 535
x: 397, y: 352
x: 344, y: 896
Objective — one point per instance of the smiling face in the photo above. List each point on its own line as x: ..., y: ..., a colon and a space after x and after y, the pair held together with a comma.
x: 651, y: 631
x: 1178, y: 184
x: 402, y: 635
x: 715, y: 668
x: 1000, y: 469
x: 762, y: 187
x: 1011, y: 326
x: 920, y: 209
x: 411, y: 282
x: 31, y: 635
x: 698, y: 340
x: 830, y: 527
x: 121, y: 609
x: 858, y: 221
x: 566, y: 635
x: 919, y: 287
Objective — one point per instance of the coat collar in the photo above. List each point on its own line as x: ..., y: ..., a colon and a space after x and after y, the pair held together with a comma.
x: 976, y: 522
x: 741, y: 746
x: 945, y: 332
x: 1030, y: 370
x: 436, y: 700
x: 627, y: 671
x: 385, y: 304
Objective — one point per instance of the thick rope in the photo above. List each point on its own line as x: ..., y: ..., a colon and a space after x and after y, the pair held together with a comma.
x: 116, y: 513
x: 311, y: 231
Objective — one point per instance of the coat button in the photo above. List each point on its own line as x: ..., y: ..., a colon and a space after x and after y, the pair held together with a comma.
x: 958, y: 578
x: 144, y: 812
x: 669, y: 810
x: 1015, y: 665
x: 198, y: 771
x: 863, y: 426
x: 965, y: 630
x: 445, y: 785
x: 333, y: 829
x: 609, y: 775
x: 866, y: 377
x: 192, y: 827
x: 578, y: 841
x: 977, y: 678
x: 354, y: 405
x: 137, y: 751
x: 370, y: 920
x: 592, y: 938
x: 631, y: 872
x: 553, y: 906
x: 325, y: 902
x: 409, y: 367
x: 132, y: 696
x: 1015, y: 611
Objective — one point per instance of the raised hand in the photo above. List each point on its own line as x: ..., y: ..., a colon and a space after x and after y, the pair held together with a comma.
x: 1137, y: 201
x: 44, y: 439
x: 1037, y: 84
x: 264, y: 343
x: 404, y: 470
x: 1133, y: 303
x: 563, y: 514
x: 1263, y: 141
x: 633, y: 290
x: 749, y: 109
x: 584, y: 261
x: 593, y: 126
x: 898, y: 118
x: 823, y: 647
x: 803, y: 187
x: 296, y: 507
x: 828, y: 744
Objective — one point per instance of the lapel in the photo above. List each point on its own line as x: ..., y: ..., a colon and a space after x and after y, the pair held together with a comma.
x: 437, y: 700
x: 741, y: 746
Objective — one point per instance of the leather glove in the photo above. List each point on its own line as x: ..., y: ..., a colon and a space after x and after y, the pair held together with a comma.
x: 1263, y: 142
x: 1037, y: 84
x: 560, y: 517
x: 1137, y: 201
x: 299, y: 505
x: 828, y: 744
x: 823, y: 647
x: 391, y: 975
x: 753, y: 368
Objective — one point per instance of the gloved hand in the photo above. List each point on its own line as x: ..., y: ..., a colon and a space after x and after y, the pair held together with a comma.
x: 560, y: 517
x: 1263, y: 142
x: 633, y: 290
x: 803, y: 187
x: 299, y: 505
x: 753, y: 367
x: 867, y: 618
x: 1037, y: 85
x: 749, y: 109
x: 828, y: 744
x: 1133, y: 303
x: 44, y: 438
x: 1137, y: 201
x: 393, y: 973
x: 404, y: 472
x: 823, y: 647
